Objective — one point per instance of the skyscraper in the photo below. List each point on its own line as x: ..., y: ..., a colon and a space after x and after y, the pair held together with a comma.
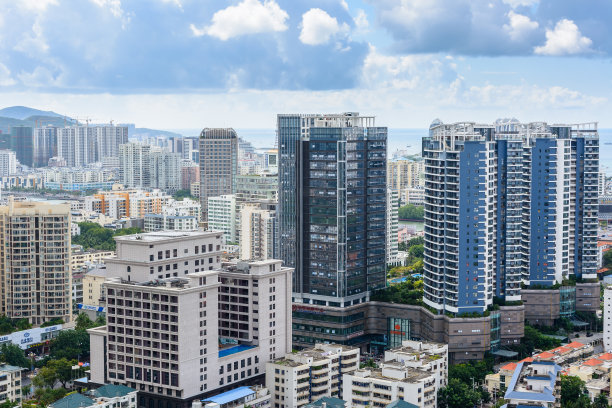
x: 332, y: 204
x: 134, y: 166
x: 506, y: 204
x: 81, y: 145
x: 22, y: 143
x: 45, y: 145
x: 35, y: 261
x: 218, y: 165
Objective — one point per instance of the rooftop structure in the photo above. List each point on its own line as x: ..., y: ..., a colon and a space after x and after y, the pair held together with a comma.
x: 533, y: 384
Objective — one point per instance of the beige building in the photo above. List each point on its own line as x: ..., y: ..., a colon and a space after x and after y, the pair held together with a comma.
x: 92, y: 286
x: 257, y: 232
x: 403, y: 174
x: 181, y: 325
x: 80, y: 258
x: 10, y: 383
x: 35, y: 261
x: 306, y: 376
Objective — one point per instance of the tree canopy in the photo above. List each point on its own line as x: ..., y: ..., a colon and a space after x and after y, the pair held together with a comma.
x: 97, y: 237
x: 411, y: 212
x: 70, y: 344
x: 13, y: 355
x: 574, y: 393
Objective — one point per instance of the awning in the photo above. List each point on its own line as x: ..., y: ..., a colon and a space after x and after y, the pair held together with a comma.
x: 505, y: 353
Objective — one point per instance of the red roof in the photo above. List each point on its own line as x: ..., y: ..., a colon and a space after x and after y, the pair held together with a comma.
x: 526, y: 360
x: 546, y: 355
x: 575, y: 345
x: 592, y: 362
x: 560, y: 350
x: 509, y: 367
x: 602, y: 270
x: 605, y: 357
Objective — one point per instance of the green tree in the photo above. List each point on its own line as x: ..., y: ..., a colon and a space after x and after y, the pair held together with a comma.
x: 572, y: 392
x: 181, y: 194
x: 416, y: 251
x: 83, y: 322
x: 70, y: 344
x: 63, y: 369
x: 411, y: 212
x: 12, y: 354
x: 9, y: 404
x: 457, y: 395
x: 52, y: 322
x: 607, y: 259
x: 97, y: 237
x: 47, y: 396
x: 601, y: 401
x: 46, y: 378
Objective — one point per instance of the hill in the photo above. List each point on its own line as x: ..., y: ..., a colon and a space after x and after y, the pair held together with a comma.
x: 24, y: 112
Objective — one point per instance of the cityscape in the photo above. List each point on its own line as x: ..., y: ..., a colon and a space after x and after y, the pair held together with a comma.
x: 430, y: 230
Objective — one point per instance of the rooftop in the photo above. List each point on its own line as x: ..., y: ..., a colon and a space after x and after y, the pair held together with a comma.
x: 161, y: 236
x: 73, y: 401
x: 112, y: 391
x: 412, y: 374
x: 330, y: 402
x: 520, y: 389
x: 6, y: 367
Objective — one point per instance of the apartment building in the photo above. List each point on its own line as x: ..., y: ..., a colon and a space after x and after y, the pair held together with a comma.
x: 131, y: 203
x: 175, y: 216
x: 427, y: 356
x: 8, y: 163
x: 306, y: 376
x: 79, y: 257
x: 35, y: 261
x: 222, y: 216
x: 257, y: 232
x: 182, y: 326
x: 534, y: 384
x: 107, y: 396
x: 505, y: 204
x: 93, y: 293
x: 10, y: 383
x: 607, y: 319
x: 404, y: 174
x: 392, y: 224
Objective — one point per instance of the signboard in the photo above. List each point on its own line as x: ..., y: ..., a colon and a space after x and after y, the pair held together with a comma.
x: 30, y: 338
x: 93, y: 308
x: 308, y: 309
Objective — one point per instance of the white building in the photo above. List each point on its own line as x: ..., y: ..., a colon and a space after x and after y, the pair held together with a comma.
x: 392, y: 225
x: 426, y: 356
x: 607, y: 319
x: 165, y: 170
x: 10, y: 383
x: 107, y: 396
x: 8, y: 163
x: 181, y: 325
x: 222, y: 216
x: 241, y: 397
x: 308, y: 375
x: 413, y: 195
x: 134, y: 166
x: 534, y: 384
x: 81, y: 145
x: 257, y: 232
x: 601, y: 183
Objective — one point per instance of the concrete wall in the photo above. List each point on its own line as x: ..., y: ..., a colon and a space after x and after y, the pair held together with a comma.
x: 512, y: 324
x: 542, y: 307
x: 588, y: 297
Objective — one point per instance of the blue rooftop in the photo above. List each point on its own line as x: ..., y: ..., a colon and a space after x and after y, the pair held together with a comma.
x: 545, y: 395
x: 233, y: 350
x: 231, y: 395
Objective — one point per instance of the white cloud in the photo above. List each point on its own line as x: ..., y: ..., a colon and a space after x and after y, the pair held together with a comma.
x: 344, y: 4
x: 519, y: 3
x: 565, y: 39
x: 40, y: 77
x: 33, y: 44
x: 520, y: 26
x: 318, y: 27
x: 247, y: 17
x: 361, y: 21
x: 554, y: 97
x: 37, y: 5
x: 114, y: 6
x: 5, y: 76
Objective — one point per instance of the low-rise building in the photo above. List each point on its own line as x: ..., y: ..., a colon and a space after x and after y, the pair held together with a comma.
x: 93, y: 279
x: 426, y: 356
x: 308, y: 375
x: 534, y: 384
x: 241, y: 397
x: 107, y: 396
x: 79, y: 257
x: 10, y: 383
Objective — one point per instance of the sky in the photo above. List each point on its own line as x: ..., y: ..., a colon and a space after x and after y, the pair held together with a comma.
x: 182, y: 64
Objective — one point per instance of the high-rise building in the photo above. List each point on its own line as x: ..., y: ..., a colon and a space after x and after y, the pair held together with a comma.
x: 134, y: 165
x: 218, y: 165
x: 81, y: 145
x: 332, y: 205
x: 257, y: 232
x: 165, y: 170
x: 601, y: 183
x: 22, y: 143
x: 607, y: 319
x: 190, y: 173
x: 392, y: 225
x: 181, y: 326
x: 8, y: 163
x: 222, y: 216
x: 35, y: 261
x: 404, y: 174
x: 45, y: 145
x: 506, y: 204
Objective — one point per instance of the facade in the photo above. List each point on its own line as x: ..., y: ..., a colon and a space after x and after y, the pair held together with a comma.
x: 332, y: 206
x: 78, y: 179
x: 253, y: 188
x: 257, y: 232
x: 176, y: 216
x: 308, y: 375
x: 403, y: 174
x: 607, y: 319
x: 218, y: 165
x: 412, y: 195
x: 22, y: 143
x: 10, y: 383
x: 35, y: 261
x: 391, y: 219
x: 45, y: 145
x: 498, y: 200
x: 81, y: 145
x: 222, y: 216
x: 165, y: 171
x: 190, y: 173
x: 93, y: 293
x: 8, y: 163
x: 182, y: 326
x: 134, y: 165
x: 132, y: 203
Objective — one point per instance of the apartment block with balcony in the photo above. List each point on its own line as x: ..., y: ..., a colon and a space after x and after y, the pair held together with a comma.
x: 10, y: 383
x: 306, y: 376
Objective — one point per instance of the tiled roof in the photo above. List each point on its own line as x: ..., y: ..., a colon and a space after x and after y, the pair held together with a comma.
x: 509, y: 367
x: 575, y: 345
x: 592, y: 362
x: 605, y: 357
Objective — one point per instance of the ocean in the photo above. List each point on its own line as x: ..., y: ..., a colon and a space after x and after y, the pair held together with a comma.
x: 410, y: 140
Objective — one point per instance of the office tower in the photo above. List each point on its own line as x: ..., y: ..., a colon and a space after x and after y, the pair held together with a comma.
x: 404, y: 174
x: 392, y: 225
x: 165, y: 170
x: 35, y: 261
x: 218, y: 165
x: 222, y: 216
x: 181, y: 325
x: 22, y: 144
x: 8, y: 163
x: 45, y: 145
x: 257, y: 232
x: 134, y: 165
x: 506, y: 204
x: 332, y: 206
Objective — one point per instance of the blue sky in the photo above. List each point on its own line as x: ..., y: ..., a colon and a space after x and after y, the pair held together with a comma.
x: 194, y: 63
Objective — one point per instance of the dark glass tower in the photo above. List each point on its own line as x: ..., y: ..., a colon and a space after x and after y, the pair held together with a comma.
x: 22, y: 143
x: 332, y: 205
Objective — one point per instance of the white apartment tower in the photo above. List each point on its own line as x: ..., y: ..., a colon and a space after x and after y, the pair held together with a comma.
x: 182, y: 326
x: 8, y: 163
x: 392, y: 225
x: 35, y: 261
x: 607, y: 319
x: 257, y: 232
x: 134, y: 168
